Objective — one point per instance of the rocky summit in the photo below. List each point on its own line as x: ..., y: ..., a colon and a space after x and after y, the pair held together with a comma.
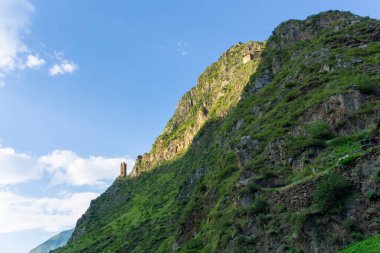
x: 276, y: 149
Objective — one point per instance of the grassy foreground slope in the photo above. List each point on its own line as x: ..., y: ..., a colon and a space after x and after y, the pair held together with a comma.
x: 273, y: 163
x: 370, y: 245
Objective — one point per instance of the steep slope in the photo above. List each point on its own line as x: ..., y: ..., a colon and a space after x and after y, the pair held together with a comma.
x: 271, y: 163
x: 370, y: 245
x: 54, y: 243
x: 217, y: 91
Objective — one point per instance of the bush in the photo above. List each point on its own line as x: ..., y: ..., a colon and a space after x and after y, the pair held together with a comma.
x: 258, y: 206
x: 267, y: 173
x: 241, y: 239
x: 290, y: 85
x: 365, y: 85
x: 330, y: 193
x: 347, y: 159
x: 292, y: 95
x: 226, y: 171
x: 251, y: 188
x: 320, y: 130
x: 371, y: 194
x: 297, y: 221
x: 367, y: 88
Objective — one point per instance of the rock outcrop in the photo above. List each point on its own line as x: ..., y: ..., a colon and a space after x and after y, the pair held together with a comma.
x: 217, y: 91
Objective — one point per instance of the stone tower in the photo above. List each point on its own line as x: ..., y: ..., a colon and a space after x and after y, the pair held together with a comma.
x: 123, y: 169
x: 247, y: 58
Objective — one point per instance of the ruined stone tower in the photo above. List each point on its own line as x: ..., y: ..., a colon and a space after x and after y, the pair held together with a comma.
x: 123, y: 169
x: 247, y: 58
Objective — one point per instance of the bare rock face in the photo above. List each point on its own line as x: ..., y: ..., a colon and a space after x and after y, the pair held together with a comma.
x: 275, y: 152
x: 293, y: 31
x: 339, y: 110
x: 217, y: 90
x: 245, y: 148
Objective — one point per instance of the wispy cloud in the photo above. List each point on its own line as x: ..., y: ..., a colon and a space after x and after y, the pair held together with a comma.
x: 14, y: 24
x: 2, y: 83
x: 34, y: 62
x: 65, y: 67
x: 15, y: 54
x: 183, y: 47
x: 51, y: 214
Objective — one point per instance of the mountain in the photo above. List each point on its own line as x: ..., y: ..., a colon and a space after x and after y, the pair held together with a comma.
x: 276, y: 149
x: 54, y: 243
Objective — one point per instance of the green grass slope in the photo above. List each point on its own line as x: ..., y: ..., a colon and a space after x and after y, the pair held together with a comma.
x: 276, y: 166
x: 370, y: 245
x: 54, y: 243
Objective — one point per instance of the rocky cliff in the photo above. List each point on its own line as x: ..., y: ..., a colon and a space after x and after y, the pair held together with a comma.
x: 280, y: 154
x: 217, y: 91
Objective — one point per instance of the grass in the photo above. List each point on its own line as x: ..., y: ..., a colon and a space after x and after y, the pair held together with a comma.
x: 369, y: 245
x: 320, y: 130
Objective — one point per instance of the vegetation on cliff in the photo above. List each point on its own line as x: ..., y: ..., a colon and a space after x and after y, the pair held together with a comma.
x: 263, y: 156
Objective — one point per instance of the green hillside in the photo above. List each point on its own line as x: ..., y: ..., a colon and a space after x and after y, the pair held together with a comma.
x: 370, y: 245
x: 262, y: 156
x: 54, y: 243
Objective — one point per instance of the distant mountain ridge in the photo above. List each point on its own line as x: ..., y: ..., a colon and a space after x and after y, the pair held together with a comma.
x: 54, y: 243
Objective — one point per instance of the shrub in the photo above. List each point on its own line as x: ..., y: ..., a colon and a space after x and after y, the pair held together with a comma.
x: 348, y: 224
x: 347, y: 159
x: 251, y: 188
x: 320, y: 130
x: 292, y: 95
x: 297, y: 220
x: 227, y: 170
x: 290, y: 85
x: 241, y: 239
x: 365, y: 85
x: 230, y: 157
x: 357, y: 236
x: 330, y: 193
x: 371, y: 194
x: 267, y: 173
x: 258, y: 206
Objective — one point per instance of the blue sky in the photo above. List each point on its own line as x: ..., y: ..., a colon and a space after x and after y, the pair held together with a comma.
x: 87, y: 84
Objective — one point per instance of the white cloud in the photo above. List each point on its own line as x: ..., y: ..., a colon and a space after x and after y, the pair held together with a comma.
x: 14, y: 52
x: 62, y: 166
x: 17, y: 167
x: 65, y: 67
x: 19, y: 213
x: 182, y: 47
x: 34, y: 62
x: 66, y: 167
x: 14, y: 23
x: 2, y: 83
